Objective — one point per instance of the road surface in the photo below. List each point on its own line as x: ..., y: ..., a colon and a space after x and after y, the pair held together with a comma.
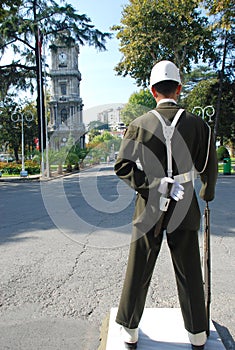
x: 63, y: 252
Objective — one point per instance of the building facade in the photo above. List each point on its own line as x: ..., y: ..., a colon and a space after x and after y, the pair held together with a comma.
x: 66, y: 107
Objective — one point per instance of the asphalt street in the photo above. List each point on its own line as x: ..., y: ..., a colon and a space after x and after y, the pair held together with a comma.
x: 63, y: 252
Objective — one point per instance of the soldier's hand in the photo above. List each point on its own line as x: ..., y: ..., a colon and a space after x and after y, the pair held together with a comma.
x: 177, y: 191
x: 164, y: 185
x: 168, y: 184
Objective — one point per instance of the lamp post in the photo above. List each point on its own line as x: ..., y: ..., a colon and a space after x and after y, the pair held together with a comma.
x: 208, y: 111
x: 22, y: 117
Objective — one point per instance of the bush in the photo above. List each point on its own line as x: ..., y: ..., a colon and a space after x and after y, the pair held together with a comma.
x: 32, y: 167
x: 15, y: 168
x: 10, y: 168
x: 222, y: 153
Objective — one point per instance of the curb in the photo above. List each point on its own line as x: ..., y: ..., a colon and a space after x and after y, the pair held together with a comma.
x: 39, y: 177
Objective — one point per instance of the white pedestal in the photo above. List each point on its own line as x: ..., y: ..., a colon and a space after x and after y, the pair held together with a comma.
x: 160, y: 329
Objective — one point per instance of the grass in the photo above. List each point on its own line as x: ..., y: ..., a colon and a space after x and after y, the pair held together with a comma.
x: 12, y: 175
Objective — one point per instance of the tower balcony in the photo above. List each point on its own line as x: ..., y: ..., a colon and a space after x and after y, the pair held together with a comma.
x: 65, y: 73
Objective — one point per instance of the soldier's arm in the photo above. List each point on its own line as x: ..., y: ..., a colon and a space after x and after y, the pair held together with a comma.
x: 126, y: 164
x: 210, y: 172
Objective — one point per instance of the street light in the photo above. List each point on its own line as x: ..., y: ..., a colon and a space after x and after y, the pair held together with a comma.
x: 21, y: 117
x: 208, y: 111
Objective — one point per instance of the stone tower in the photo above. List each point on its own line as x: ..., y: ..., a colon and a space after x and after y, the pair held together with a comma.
x: 66, y: 118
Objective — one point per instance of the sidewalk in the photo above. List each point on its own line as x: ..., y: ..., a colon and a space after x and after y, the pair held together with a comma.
x: 37, y: 177
x: 20, y: 178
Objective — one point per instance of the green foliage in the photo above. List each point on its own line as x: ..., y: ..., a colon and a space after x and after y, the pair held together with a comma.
x: 7, y: 8
x: 222, y: 153
x: 154, y: 30
x: 104, y: 137
x: 75, y: 155
x: 102, y: 146
x: 71, y: 156
x: 223, y: 9
x: 143, y: 98
x: 93, y: 133
x: 32, y: 167
x: 206, y: 93
x: 11, y: 131
x: 15, y: 168
x: 199, y: 73
x: 95, y: 128
x: 138, y: 104
x: 105, y: 141
x: 203, y: 94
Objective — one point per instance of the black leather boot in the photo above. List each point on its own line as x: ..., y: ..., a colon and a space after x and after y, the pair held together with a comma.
x: 130, y: 346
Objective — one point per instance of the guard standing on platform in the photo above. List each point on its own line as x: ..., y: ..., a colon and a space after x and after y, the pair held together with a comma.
x: 159, y: 156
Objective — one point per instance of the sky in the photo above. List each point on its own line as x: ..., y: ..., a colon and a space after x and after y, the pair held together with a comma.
x: 100, y: 85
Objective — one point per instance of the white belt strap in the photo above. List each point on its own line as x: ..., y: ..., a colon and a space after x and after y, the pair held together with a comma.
x: 168, y: 131
x: 186, y: 177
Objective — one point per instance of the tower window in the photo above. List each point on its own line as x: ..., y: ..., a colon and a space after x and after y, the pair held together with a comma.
x: 64, y: 116
x: 63, y: 88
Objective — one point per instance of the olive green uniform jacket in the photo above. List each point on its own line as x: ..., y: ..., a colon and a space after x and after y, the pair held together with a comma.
x: 142, y: 162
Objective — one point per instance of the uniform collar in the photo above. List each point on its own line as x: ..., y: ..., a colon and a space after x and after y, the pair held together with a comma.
x: 166, y: 100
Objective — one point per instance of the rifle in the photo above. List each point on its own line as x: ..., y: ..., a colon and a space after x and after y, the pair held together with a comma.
x: 207, y: 265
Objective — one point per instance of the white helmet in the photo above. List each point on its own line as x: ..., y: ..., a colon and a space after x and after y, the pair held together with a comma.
x: 164, y: 70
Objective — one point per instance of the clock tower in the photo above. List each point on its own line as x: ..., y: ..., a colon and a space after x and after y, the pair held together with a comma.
x: 66, y: 119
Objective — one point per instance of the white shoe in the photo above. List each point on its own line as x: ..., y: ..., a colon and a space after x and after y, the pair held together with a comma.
x: 130, y: 337
x: 198, y: 339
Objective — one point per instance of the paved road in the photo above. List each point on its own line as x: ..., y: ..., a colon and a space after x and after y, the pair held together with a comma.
x: 63, y: 251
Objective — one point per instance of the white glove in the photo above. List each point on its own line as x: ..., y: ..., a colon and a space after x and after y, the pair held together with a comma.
x: 177, y: 190
x: 165, y: 181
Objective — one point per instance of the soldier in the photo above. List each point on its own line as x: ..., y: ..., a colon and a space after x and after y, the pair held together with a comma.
x: 171, y: 145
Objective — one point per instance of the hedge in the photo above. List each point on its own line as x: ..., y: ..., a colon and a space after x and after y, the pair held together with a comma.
x: 15, y: 168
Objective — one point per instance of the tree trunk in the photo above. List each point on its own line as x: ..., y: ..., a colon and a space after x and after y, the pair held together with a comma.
x: 16, y: 153
x: 60, y: 169
x: 221, y: 78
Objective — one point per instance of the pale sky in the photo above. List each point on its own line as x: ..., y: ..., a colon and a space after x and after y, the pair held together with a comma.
x: 100, y: 85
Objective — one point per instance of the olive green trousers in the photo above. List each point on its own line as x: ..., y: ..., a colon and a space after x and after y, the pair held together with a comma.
x: 184, y: 249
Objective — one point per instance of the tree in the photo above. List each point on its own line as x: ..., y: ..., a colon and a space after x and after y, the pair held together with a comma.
x: 93, y: 133
x: 103, y: 146
x: 224, y: 9
x: 199, y: 73
x: 138, y: 104
x: 154, y: 30
x: 201, y: 95
x: 73, y: 154
x: 223, y: 22
x: 11, y: 131
x: 8, y: 8
x: 205, y: 94
x: 24, y: 31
